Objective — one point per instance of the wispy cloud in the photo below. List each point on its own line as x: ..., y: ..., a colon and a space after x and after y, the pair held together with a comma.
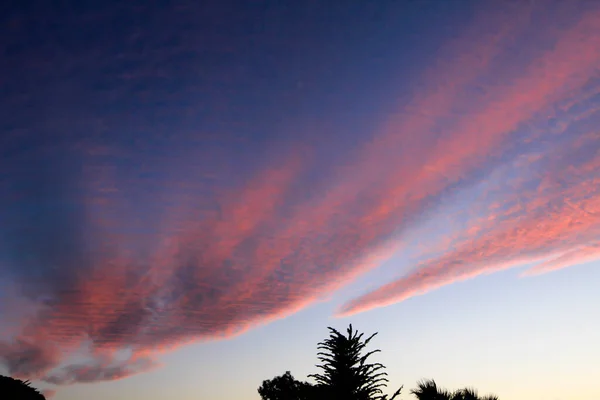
x: 123, y: 258
x: 542, y: 208
x: 99, y: 371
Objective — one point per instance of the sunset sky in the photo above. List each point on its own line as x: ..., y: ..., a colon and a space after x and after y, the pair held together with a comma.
x: 192, y: 191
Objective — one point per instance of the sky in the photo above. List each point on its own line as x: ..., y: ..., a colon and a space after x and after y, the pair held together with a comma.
x: 192, y: 192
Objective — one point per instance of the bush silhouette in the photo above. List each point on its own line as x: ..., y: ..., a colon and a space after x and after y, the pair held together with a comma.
x: 286, y: 387
x: 16, y: 389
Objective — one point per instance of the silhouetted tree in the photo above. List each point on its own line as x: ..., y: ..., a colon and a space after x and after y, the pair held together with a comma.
x: 346, y: 373
x: 286, y: 387
x: 16, y: 389
x: 471, y: 394
x: 429, y: 390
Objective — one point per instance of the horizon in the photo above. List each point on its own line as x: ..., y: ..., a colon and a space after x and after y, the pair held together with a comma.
x: 193, y: 192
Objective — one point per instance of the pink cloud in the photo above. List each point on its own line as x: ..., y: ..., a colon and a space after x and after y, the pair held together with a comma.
x: 485, y: 132
x: 551, y: 219
x: 145, y: 271
x: 579, y: 255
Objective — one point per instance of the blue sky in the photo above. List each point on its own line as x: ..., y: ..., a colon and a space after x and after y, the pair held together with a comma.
x: 194, y: 192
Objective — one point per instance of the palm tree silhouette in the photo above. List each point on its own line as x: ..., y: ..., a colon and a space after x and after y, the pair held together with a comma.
x: 16, y: 389
x: 346, y: 373
x: 429, y: 390
x: 471, y: 394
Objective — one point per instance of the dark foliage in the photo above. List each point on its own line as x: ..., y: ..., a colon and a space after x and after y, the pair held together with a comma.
x: 471, y: 394
x: 347, y: 375
x: 346, y: 372
x: 16, y: 389
x: 429, y: 390
x: 286, y: 387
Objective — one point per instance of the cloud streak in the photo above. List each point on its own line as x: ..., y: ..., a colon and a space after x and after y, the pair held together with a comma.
x: 120, y: 254
x: 544, y: 211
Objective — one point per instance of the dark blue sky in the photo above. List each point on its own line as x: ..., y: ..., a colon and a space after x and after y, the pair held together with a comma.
x: 177, y: 172
x: 119, y: 71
